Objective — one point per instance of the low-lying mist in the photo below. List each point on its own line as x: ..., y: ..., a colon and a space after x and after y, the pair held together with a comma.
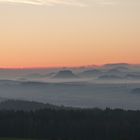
x: 114, y: 86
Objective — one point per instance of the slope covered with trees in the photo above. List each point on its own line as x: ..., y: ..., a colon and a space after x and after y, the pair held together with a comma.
x: 71, y: 124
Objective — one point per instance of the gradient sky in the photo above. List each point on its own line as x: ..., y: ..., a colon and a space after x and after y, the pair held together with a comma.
x: 48, y: 33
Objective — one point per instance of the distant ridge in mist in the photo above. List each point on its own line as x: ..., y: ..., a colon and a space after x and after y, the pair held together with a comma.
x: 91, y: 72
x: 24, y: 105
x: 117, y: 64
x: 65, y: 74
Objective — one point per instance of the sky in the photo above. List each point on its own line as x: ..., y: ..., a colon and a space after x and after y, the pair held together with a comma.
x: 53, y: 33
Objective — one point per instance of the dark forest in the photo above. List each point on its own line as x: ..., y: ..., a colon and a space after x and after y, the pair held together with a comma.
x: 71, y: 124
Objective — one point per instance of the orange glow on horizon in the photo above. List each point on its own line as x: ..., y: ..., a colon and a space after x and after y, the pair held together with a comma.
x: 61, y: 36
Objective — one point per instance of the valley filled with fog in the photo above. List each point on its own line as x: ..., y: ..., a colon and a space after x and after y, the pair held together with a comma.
x: 112, y: 85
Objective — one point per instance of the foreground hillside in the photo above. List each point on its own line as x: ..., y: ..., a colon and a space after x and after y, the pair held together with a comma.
x: 20, y: 105
x: 71, y: 124
x: 15, y: 139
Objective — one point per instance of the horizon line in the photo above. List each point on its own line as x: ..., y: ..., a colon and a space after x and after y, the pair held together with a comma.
x: 57, y: 67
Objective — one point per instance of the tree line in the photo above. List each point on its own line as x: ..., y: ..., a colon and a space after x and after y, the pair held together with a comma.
x: 71, y: 124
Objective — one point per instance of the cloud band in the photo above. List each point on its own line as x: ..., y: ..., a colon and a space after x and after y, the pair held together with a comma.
x: 47, y: 2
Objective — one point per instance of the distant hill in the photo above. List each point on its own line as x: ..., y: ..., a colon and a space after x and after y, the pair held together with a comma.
x: 114, y: 71
x: 122, y: 67
x: 89, y: 73
x: 23, y: 105
x: 117, y: 65
x: 65, y: 74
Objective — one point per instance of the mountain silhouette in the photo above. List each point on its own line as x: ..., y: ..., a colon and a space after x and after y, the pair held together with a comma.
x: 65, y: 74
x: 24, y: 105
x: 117, y: 65
x: 114, y: 71
x: 92, y: 72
